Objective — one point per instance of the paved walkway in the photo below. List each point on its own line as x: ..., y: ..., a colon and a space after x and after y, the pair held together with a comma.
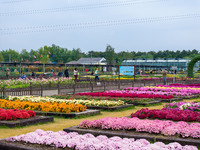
x: 50, y: 92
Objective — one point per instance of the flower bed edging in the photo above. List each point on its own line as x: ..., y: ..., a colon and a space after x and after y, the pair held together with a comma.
x: 4, y: 145
x: 110, y: 108
x: 146, y: 103
x: 26, y: 122
x: 172, y: 100
x: 136, y: 135
x: 71, y: 115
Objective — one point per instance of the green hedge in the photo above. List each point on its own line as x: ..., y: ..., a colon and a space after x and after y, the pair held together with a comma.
x: 191, y: 66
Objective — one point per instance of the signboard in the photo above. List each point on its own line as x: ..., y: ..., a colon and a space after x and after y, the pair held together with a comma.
x: 114, y: 68
x: 174, y: 68
x: 127, y: 70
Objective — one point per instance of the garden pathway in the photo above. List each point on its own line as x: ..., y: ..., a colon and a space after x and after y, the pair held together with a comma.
x: 50, y: 92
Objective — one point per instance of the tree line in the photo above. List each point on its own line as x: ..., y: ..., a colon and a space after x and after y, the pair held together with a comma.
x: 58, y: 54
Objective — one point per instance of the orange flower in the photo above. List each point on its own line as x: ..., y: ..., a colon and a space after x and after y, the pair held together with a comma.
x: 42, y: 106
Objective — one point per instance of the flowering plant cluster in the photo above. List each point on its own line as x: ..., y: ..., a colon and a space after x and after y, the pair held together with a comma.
x: 170, y: 114
x: 15, y: 114
x: 156, y: 78
x: 91, y: 102
x: 183, y: 106
x: 16, y: 83
x: 88, y: 141
x: 116, y: 99
x: 120, y: 94
x: 42, y: 106
x: 176, y: 91
x: 151, y: 126
x: 182, y: 85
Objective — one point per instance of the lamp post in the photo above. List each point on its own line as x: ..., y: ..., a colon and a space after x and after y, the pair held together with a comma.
x: 91, y: 61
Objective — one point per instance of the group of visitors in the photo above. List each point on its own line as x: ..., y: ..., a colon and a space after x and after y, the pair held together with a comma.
x: 76, y: 74
x: 60, y: 74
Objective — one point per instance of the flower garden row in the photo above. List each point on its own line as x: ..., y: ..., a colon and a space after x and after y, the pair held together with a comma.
x: 150, y: 126
x: 176, y: 91
x: 68, y: 101
x: 170, y: 114
x: 175, y: 124
x: 133, y: 95
x: 76, y: 141
x: 15, y: 114
x: 184, y: 106
x: 20, y: 83
x: 42, y: 106
x: 159, y: 92
x: 98, y: 98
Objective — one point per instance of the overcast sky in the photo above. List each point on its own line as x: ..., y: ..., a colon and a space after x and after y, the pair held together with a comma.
x: 127, y: 25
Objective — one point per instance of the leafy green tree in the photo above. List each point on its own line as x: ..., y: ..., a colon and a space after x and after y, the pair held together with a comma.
x: 25, y: 55
x: 109, y: 54
x: 11, y: 55
x: 1, y: 58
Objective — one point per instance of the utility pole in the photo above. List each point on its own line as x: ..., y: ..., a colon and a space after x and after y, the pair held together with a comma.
x: 9, y: 58
x: 91, y: 61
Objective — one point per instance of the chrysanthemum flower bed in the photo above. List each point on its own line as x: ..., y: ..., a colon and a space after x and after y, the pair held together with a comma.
x: 124, y: 99
x: 175, y: 91
x: 169, y: 114
x: 20, y: 83
x: 76, y: 141
x: 13, y: 114
x: 68, y: 101
x: 42, y: 106
x: 126, y: 94
x: 181, y: 85
x: 183, y: 106
x: 169, y: 128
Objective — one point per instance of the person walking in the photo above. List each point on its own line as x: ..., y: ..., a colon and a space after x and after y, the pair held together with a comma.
x: 33, y: 74
x: 96, y: 75
x: 7, y: 72
x: 75, y: 73
x: 23, y: 76
x: 164, y: 73
x: 67, y: 73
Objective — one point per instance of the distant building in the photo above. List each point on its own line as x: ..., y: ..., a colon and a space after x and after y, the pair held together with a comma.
x: 149, y: 64
x: 89, y: 61
x: 72, y: 63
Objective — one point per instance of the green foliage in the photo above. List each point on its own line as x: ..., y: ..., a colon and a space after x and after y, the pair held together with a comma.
x: 110, y: 54
x: 10, y: 54
x: 64, y: 55
x: 191, y: 66
x: 1, y: 57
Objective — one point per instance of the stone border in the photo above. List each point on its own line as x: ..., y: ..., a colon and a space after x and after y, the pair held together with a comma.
x: 26, y: 122
x: 4, y: 145
x: 136, y: 135
x: 110, y: 108
x: 146, y: 103
x: 71, y: 115
x: 190, y: 97
x: 172, y: 100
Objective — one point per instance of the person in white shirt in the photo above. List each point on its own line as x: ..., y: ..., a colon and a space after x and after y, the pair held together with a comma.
x: 75, y: 73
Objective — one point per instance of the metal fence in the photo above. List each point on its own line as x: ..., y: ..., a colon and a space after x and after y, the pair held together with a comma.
x: 90, y: 86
